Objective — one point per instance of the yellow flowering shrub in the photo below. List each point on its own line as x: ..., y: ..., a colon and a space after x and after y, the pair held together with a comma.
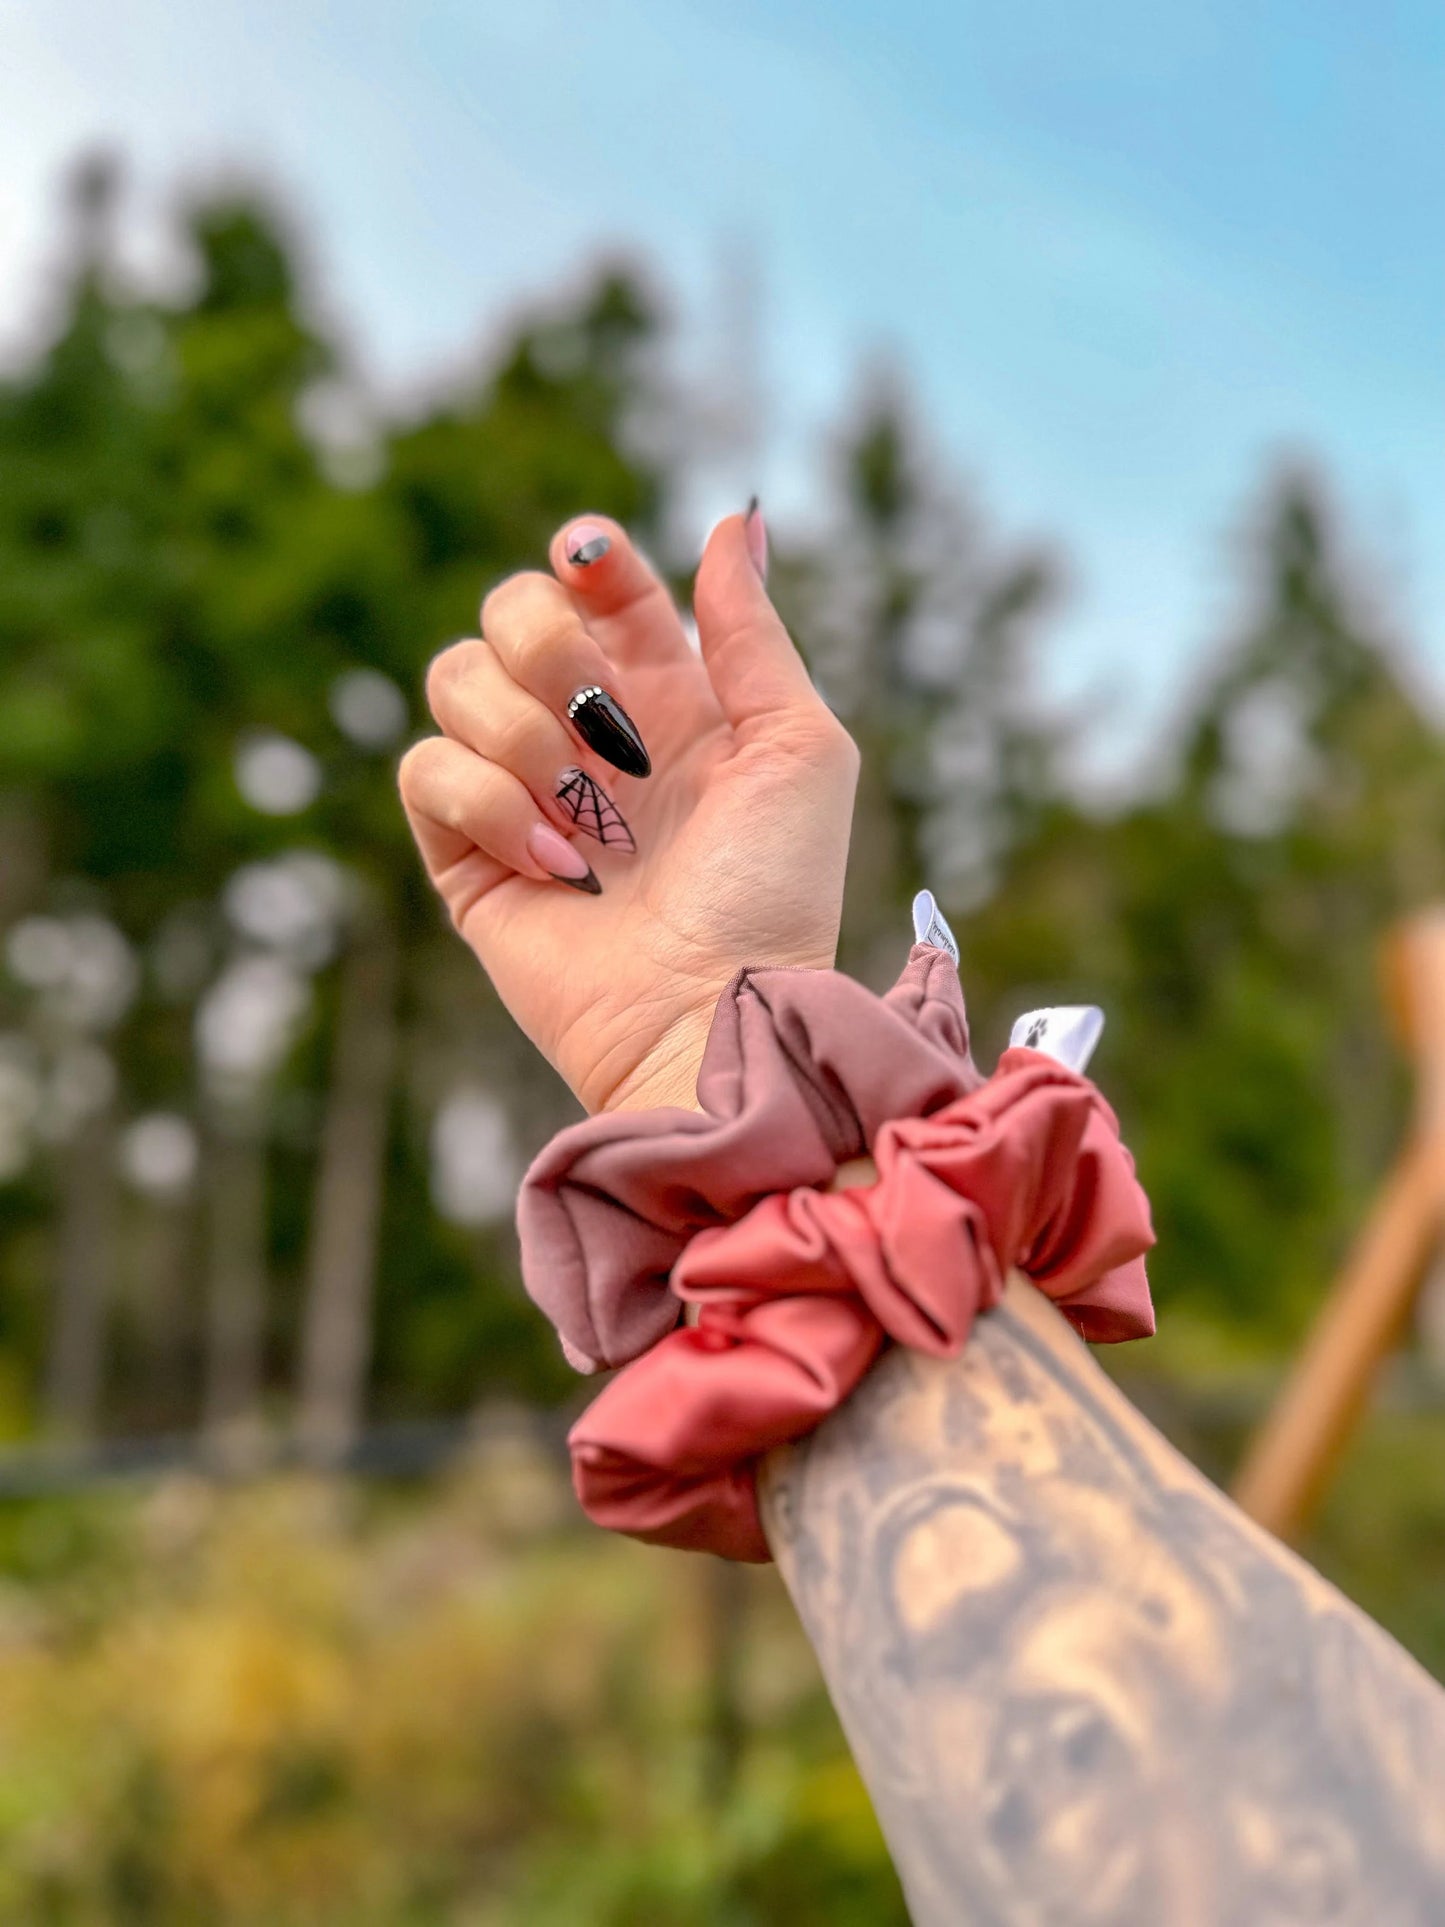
x: 303, y: 1702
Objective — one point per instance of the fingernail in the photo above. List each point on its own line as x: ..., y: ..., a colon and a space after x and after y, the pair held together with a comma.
x: 587, y: 543
x: 593, y: 810
x: 560, y: 860
x: 755, y: 531
x: 604, y: 725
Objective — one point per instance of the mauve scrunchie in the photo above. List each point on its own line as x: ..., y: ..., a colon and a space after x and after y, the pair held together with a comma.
x: 800, y: 1289
x: 801, y: 1070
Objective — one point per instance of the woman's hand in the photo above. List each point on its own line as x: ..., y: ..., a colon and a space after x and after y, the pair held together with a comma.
x: 741, y: 828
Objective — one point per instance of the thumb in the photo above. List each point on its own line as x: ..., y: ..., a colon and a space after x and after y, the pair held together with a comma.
x: 756, y: 673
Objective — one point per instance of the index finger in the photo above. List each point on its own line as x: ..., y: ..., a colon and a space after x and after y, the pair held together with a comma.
x: 622, y: 598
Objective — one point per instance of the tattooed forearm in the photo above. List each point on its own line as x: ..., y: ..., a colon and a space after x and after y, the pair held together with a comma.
x: 1080, y: 1685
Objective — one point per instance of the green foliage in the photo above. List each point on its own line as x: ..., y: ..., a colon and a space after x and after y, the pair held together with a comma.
x: 186, y: 561
x: 292, y: 1705
x: 185, y: 567
x: 1381, y: 1534
x: 288, y: 1705
x: 188, y: 557
x: 1230, y: 926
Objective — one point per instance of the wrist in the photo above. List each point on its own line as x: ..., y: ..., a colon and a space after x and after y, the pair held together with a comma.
x: 667, y: 1076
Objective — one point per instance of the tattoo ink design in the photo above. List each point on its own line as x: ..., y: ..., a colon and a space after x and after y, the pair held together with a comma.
x: 1081, y: 1687
x: 593, y: 810
x: 605, y: 726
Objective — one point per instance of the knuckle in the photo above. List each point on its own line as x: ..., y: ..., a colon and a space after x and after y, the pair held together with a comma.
x: 497, y: 603
x: 828, y: 736
x: 555, y: 637
x: 841, y: 742
x: 814, y: 734
x: 445, y: 671
x: 503, y: 602
x: 417, y: 769
x: 514, y: 739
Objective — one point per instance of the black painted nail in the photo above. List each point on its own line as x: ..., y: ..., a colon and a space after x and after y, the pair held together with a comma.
x: 588, y: 883
x: 593, y: 810
x: 604, y: 725
x: 587, y: 543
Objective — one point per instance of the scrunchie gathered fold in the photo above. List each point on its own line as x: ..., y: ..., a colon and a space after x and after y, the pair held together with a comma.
x: 800, y: 1071
x: 626, y: 1218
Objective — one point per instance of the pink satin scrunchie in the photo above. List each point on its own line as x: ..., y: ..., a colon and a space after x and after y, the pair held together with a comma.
x: 801, y: 1070
x: 800, y: 1289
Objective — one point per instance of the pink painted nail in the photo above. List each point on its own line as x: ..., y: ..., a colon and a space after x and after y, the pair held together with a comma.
x: 560, y: 860
x: 755, y: 532
x: 587, y: 543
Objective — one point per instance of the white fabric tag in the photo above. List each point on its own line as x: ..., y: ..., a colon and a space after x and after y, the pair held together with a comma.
x: 929, y: 925
x: 1067, y: 1033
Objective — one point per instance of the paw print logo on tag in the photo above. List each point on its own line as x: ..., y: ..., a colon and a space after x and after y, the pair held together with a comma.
x: 1066, y: 1032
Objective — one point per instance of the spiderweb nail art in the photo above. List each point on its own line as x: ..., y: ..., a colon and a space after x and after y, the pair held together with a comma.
x: 593, y: 810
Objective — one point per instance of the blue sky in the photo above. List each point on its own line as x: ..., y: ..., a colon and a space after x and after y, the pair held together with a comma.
x: 1126, y: 253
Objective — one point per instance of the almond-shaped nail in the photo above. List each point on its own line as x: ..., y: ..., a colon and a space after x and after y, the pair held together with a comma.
x: 605, y: 726
x: 593, y: 810
x: 587, y: 544
x: 560, y: 860
x: 755, y: 533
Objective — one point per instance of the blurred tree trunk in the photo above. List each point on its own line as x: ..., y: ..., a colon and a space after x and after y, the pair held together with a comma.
x: 236, y: 1277
x: 725, y: 1611
x: 162, y: 1257
x: 351, y: 1177
x: 881, y: 871
x: 85, y: 1272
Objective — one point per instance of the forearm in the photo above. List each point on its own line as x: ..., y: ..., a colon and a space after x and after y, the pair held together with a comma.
x: 1080, y: 1685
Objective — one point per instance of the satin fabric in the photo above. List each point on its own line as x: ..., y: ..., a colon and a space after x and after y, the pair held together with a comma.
x: 801, y: 1070
x: 799, y: 1295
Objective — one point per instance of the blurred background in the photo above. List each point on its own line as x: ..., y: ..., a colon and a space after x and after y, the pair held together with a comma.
x: 1087, y: 363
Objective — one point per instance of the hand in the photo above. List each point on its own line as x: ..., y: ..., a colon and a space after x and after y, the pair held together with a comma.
x: 741, y: 828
